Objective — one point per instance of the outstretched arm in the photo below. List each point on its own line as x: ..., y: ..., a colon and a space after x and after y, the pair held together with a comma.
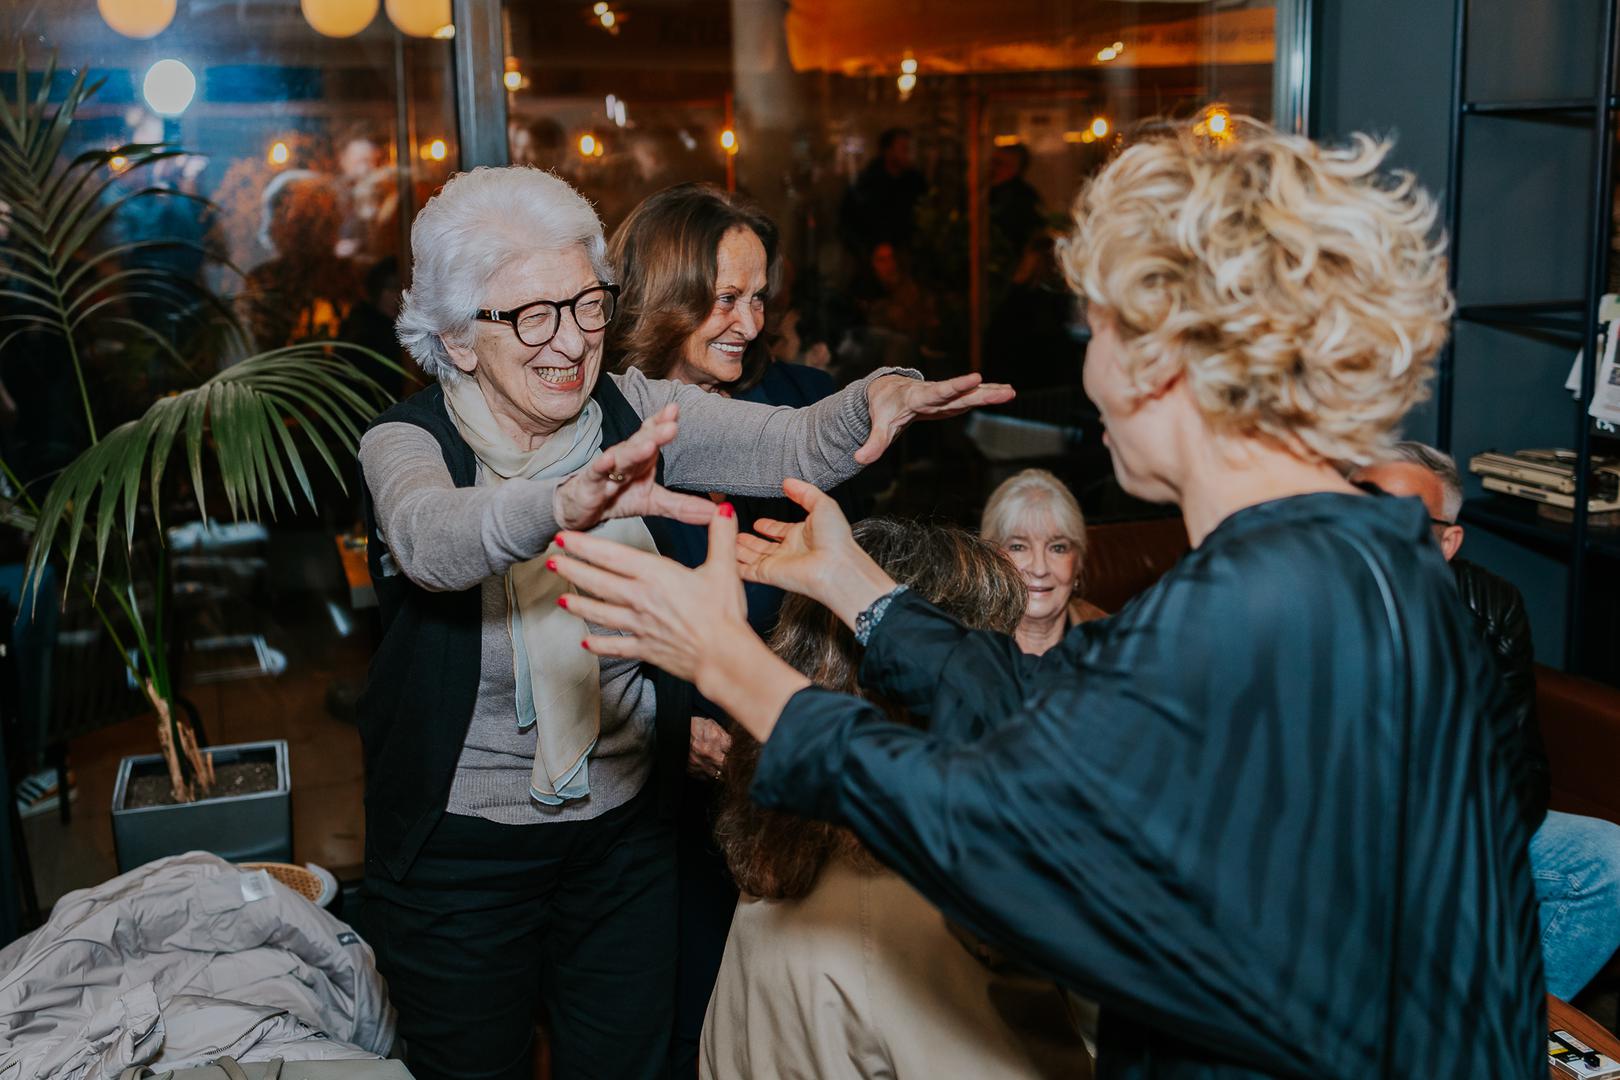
x: 1031, y: 840
x: 745, y: 448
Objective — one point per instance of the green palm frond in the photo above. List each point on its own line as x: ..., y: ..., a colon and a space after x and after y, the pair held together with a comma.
x: 54, y: 276
x: 257, y: 421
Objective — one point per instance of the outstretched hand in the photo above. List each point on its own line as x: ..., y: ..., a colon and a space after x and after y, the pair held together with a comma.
x: 691, y: 623
x: 622, y: 482
x: 817, y: 557
x: 894, y: 401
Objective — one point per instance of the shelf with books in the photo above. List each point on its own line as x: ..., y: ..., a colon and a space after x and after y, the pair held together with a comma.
x: 1521, y: 521
x: 1569, y: 322
x: 1517, y: 519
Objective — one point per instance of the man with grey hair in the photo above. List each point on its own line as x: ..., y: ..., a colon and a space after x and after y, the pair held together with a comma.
x: 1575, y: 860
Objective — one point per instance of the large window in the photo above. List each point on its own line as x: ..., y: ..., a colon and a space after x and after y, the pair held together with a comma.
x: 919, y: 156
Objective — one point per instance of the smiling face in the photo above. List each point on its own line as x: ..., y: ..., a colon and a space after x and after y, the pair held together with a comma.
x: 533, y: 392
x: 1048, y: 560
x: 713, y: 353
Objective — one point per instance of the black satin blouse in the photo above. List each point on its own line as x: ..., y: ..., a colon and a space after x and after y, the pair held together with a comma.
x: 1261, y: 814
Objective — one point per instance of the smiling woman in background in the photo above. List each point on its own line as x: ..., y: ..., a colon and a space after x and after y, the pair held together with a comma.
x: 1035, y: 520
x: 514, y: 852
x: 698, y: 268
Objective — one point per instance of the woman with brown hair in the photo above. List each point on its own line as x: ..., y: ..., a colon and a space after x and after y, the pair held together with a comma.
x: 698, y: 266
x: 834, y: 965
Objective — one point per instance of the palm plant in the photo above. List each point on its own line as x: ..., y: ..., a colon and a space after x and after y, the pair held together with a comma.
x: 250, y: 427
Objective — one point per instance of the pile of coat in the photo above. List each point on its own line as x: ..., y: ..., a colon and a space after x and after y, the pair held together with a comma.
x: 178, y: 962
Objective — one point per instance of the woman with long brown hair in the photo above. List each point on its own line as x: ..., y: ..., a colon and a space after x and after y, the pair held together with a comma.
x: 834, y: 965
x: 698, y: 269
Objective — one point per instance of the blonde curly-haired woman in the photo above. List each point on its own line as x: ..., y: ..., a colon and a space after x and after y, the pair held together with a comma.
x: 1258, y: 814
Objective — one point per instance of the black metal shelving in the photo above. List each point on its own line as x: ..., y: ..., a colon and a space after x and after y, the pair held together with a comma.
x: 1569, y: 321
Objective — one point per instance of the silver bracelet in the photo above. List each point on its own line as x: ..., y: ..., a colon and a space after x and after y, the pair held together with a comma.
x: 867, y: 620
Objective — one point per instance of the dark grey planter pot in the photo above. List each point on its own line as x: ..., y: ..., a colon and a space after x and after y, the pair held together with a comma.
x: 240, y: 828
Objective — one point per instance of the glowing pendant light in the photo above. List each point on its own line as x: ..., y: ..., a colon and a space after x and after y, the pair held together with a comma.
x: 137, y: 18
x: 418, y: 18
x: 338, y: 18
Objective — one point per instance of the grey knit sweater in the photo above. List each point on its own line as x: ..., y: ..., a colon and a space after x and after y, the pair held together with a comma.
x: 446, y: 538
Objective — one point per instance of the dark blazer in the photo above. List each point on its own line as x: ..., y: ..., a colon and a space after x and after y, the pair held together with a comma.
x: 423, y: 683
x: 1258, y: 814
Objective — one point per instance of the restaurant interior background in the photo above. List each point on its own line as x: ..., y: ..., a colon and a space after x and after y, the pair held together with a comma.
x: 313, y: 130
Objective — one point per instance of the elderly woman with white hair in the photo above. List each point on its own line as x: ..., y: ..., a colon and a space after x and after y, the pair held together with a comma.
x: 1260, y: 815
x: 1035, y: 520
x: 514, y: 849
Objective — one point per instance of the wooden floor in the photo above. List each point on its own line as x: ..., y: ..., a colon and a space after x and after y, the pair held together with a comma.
x: 304, y: 615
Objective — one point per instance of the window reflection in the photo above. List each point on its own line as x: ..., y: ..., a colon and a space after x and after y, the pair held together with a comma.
x: 312, y: 132
x: 919, y: 159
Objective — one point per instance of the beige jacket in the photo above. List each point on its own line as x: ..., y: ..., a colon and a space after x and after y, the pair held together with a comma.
x: 863, y: 978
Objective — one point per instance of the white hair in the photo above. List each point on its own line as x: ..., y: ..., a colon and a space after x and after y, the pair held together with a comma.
x: 479, y: 222
x: 1023, y: 498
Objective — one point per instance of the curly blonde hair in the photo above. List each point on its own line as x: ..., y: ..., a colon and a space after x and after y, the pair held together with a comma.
x: 1299, y: 289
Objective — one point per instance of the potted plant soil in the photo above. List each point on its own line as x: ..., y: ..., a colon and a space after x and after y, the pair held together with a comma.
x: 242, y: 427
x: 246, y: 815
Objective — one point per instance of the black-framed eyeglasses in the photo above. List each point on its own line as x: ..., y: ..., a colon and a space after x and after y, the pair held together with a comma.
x: 536, y: 323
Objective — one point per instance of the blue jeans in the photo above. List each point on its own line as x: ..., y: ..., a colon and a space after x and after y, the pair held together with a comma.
x: 1576, y: 863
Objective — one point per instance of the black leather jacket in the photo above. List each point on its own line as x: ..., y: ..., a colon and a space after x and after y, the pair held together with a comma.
x: 1499, y: 614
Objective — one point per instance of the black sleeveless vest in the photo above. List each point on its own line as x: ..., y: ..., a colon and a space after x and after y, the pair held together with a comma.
x: 423, y: 684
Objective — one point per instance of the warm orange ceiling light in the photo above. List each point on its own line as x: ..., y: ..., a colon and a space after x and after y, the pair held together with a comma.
x: 419, y: 18
x: 338, y: 18
x: 137, y: 18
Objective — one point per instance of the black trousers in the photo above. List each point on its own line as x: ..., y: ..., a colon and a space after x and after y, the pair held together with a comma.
x: 708, y: 897
x: 494, y: 919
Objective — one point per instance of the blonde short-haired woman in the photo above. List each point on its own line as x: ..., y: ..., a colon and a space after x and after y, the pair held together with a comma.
x: 1035, y: 520
x: 1258, y: 814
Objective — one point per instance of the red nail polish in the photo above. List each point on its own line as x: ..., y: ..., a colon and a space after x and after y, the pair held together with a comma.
x: 551, y: 564
x: 560, y: 541
x: 585, y: 645
x: 562, y: 602
x: 727, y: 510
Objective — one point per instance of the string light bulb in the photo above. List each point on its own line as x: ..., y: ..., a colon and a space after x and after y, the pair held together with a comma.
x: 728, y: 141
x: 338, y: 18
x: 419, y: 18
x: 279, y: 153
x: 606, y: 17
x: 1107, y: 54
x: 118, y: 163
x: 1099, y: 127
x: 137, y: 18
x: 1216, y: 124
x: 587, y: 145
x: 437, y: 150
x: 169, y: 87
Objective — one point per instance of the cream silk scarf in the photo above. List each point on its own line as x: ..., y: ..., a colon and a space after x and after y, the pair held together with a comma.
x: 559, y: 687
